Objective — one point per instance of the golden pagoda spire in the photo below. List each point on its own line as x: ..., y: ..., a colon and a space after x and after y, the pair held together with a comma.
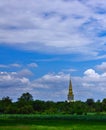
x: 70, y: 93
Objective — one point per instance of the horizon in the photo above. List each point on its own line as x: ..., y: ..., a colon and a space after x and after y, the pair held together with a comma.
x: 44, y: 43
x: 33, y: 99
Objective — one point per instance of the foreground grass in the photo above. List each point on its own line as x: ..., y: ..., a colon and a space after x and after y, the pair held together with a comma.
x: 32, y: 122
x: 34, y: 127
x: 44, y: 127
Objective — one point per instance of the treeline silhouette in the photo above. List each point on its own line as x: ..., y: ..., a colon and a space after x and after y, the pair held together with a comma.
x: 27, y: 105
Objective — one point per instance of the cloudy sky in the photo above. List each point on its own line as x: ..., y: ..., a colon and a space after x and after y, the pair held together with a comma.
x: 45, y: 42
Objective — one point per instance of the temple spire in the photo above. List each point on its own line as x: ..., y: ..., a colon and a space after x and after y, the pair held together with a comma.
x: 70, y: 93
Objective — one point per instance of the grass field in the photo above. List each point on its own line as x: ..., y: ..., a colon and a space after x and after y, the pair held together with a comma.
x: 46, y: 122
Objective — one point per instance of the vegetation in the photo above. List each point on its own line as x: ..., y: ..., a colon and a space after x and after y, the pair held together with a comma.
x: 26, y: 105
x: 52, y: 122
x: 29, y: 114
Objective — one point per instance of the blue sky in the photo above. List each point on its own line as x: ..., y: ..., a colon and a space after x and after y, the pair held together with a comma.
x: 44, y: 42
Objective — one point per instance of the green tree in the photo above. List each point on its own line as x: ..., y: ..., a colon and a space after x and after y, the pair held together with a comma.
x: 90, y: 104
x: 4, y: 103
x: 26, y: 97
x: 11, y: 109
x: 80, y: 108
x: 104, y: 104
x: 24, y: 104
x: 39, y: 106
x: 98, y: 106
x: 60, y: 106
x: 26, y: 109
x: 50, y: 107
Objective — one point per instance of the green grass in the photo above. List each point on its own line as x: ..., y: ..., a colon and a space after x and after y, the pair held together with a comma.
x: 34, y: 127
x: 53, y: 122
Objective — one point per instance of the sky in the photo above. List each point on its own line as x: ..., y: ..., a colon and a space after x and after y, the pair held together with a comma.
x: 45, y: 43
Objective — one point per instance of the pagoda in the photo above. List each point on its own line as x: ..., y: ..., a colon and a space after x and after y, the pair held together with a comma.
x: 70, y: 93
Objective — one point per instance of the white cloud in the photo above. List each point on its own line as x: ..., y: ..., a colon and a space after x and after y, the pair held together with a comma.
x: 8, y: 80
x: 90, y: 85
x: 52, y: 82
x: 3, y: 66
x: 54, y: 86
x: 94, y: 83
x: 49, y: 87
x: 15, y: 65
x: 32, y: 65
x: 69, y: 70
x: 10, y: 65
x: 24, y: 72
x: 53, y: 77
x: 102, y: 66
x: 54, y: 26
x: 91, y: 73
x: 11, y: 84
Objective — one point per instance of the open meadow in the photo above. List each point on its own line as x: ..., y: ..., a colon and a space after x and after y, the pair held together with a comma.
x: 52, y: 122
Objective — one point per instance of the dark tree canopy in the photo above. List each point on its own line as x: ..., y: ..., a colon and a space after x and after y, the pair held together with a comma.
x: 26, y: 105
x: 26, y: 97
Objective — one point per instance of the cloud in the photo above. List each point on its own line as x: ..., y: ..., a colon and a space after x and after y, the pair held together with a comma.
x: 33, y: 65
x: 11, y: 84
x: 54, y: 26
x: 8, y: 80
x: 53, y: 86
x: 94, y: 83
x: 3, y: 66
x: 10, y: 65
x: 102, y: 66
x: 48, y: 87
x: 90, y: 73
x: 24, y: 73
x: 93, y: 77
x: 15, y: 65
x: 69, y: 70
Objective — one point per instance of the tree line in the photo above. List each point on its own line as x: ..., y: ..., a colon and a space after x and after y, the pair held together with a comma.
x: 27, y: 105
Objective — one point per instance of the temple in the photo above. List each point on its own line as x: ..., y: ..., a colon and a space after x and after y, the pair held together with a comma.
x: 70, y: 93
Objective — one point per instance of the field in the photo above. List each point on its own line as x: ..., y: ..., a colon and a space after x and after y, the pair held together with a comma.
x: 52, y: 122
